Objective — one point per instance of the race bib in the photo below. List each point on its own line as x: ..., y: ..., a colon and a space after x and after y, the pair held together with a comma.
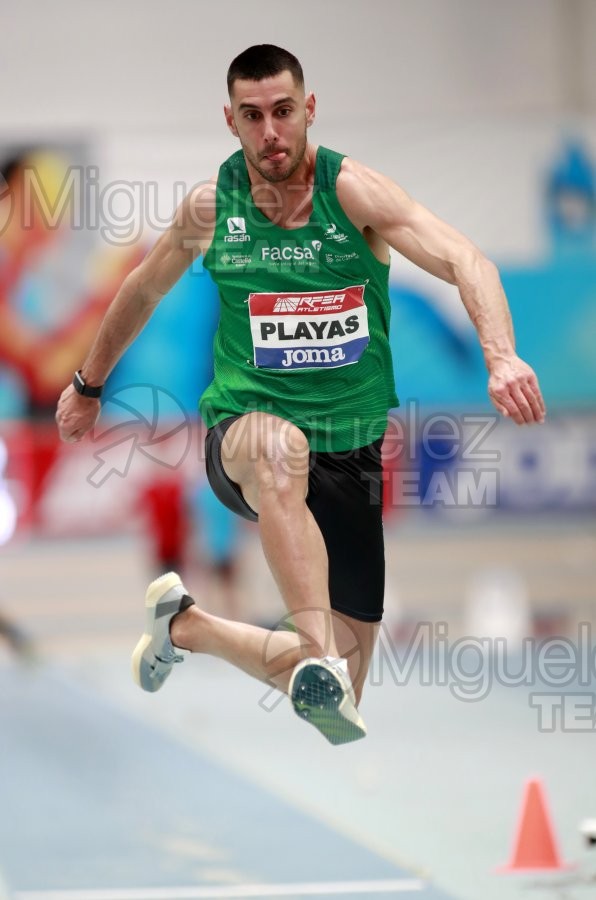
x: 315, y: 330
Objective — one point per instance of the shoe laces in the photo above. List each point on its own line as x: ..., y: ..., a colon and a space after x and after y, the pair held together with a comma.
x: 169, y: 658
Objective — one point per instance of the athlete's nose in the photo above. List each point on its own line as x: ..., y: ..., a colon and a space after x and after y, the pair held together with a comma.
x: 270, y: 135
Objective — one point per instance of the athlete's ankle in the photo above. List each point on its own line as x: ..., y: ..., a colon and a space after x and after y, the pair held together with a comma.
x: 182, y: 627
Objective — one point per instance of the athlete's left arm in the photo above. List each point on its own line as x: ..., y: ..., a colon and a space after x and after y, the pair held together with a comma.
x: 374, y: 202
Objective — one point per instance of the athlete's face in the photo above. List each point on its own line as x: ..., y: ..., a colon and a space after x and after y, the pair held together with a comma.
x: 270, y: 118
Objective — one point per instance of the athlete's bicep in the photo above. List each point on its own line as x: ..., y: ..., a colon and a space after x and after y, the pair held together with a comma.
x: 427, y: 241
x: 406, y: 225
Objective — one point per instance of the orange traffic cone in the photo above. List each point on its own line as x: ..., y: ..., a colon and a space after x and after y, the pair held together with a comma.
x: 535, y: 844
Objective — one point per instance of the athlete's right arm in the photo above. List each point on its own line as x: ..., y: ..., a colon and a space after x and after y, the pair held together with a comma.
x: 188, y: 237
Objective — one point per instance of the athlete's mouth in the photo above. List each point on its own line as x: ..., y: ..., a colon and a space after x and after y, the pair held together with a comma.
x: 277, y: 156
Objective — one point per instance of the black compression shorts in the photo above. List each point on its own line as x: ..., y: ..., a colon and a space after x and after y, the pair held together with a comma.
x: 345, y: 492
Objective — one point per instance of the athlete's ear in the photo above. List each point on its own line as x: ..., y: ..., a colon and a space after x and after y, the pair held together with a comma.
x: 310, y: 103
x: 230, y: 120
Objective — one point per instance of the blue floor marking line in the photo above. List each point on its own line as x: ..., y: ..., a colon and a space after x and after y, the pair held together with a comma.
x: 95, y: 800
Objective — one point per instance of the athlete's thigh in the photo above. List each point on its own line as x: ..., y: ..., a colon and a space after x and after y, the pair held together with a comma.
x: 259, y: 436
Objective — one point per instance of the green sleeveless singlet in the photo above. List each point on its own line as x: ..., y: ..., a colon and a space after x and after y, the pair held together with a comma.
x: 304, y: 320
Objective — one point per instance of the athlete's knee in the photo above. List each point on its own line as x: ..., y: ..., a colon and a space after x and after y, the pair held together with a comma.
x: 262, y: 452
x: 282, y: 461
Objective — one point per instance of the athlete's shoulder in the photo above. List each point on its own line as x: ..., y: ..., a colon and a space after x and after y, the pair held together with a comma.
x: 356, y: 177
x: 204, y: 190
x: 198, y: 210
x: 361, y: 189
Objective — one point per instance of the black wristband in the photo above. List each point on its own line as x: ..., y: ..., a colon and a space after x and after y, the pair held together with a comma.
x: 81, y: 387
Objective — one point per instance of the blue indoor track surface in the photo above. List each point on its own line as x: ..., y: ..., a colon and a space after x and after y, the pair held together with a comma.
x: 100, y: 806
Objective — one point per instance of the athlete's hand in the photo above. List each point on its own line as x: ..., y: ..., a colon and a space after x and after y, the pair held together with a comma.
x: 76, y: 415
x: 514, y: 390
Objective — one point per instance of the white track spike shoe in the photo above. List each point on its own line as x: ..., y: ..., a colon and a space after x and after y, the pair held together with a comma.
x: 322, y: 694
x: 154, y: 656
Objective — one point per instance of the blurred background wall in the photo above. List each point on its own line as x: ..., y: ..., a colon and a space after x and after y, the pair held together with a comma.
x: 443, y: 96
x: 484, y: 112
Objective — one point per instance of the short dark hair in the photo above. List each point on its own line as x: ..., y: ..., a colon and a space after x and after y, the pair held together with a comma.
x: 264, y: 61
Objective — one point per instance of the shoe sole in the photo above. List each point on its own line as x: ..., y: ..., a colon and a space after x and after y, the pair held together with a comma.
x: 314, y: 691
x: 156, y: 590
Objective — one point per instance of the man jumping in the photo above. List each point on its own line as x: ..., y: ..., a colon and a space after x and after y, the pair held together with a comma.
x: 297, y: 239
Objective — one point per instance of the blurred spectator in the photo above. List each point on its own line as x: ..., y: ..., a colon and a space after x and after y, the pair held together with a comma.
x: 217, y: 533
x: 163, y: 503
x: 192, y: 529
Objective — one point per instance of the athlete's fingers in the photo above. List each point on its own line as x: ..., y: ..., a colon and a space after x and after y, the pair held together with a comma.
x: 514, y: 390
x: 70, y: 435
x: 68, y: 430
x: 506, y: 405
x: 75, y: 416
x: 534, y: 398
x: 73, y: 437
x: 528, y: 400
x: 522, y: 405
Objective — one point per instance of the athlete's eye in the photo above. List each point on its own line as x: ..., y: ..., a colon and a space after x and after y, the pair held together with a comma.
x: 251, y: 116
x: 284, y: 111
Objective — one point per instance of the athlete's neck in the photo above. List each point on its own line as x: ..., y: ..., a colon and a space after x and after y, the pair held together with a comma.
x: 287, y: 203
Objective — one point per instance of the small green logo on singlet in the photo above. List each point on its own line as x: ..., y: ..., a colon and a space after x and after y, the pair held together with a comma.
x: 332, y: 234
